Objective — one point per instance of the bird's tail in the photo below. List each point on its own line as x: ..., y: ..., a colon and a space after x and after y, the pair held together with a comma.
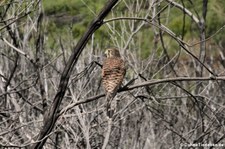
x: 109, y: 107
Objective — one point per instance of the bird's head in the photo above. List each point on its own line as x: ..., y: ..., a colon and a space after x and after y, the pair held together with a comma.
x: 112, y: 52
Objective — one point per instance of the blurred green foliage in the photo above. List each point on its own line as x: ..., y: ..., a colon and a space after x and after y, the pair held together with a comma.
x: 83, y: 11
x: 69, y: 17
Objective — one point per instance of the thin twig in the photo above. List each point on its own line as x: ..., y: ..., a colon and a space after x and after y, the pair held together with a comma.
x: 18, y: 50
x: 107, y: 135
x: 189, y: 13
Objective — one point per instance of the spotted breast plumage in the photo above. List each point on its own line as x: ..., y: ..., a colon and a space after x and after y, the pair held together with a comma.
x: 113, y: 72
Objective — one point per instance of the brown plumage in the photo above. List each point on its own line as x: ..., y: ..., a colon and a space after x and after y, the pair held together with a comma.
x: 113, y: 72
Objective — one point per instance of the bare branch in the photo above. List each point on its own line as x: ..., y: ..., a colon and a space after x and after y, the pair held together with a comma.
x: 183, y: 44
x: 51, y: 116
x: 146, y: 83
x: 189, y: 13
x: 18, y: 50
x: 107, y: 135
x: 167, y: 80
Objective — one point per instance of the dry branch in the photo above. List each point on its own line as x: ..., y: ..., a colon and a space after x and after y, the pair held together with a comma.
x: 51, y: 116
x: 143, y: 84
x: 183, y: 44
x: 17, y: 50
x: 189, y: 13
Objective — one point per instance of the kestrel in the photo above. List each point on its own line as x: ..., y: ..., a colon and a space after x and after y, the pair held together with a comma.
x: 113, y: 72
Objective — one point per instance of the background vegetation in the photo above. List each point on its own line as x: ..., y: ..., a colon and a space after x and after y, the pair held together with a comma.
x: 175, y: 58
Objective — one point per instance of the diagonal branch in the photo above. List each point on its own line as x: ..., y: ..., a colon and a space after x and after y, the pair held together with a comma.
x: 50, y: 117
x: 18, y: 50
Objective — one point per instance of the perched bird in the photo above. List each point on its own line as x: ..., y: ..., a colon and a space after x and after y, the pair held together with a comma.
x: 113, y: 72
